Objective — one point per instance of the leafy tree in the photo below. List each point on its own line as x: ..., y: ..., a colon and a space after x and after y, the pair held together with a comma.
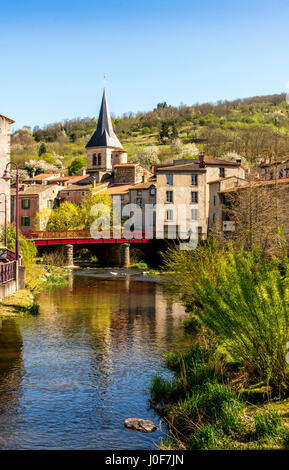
x: 87, y: 204
x: 64, y: 217
x: 27, y: 248
x: 76, y: 165
x: 42, y: 149
x: 148, y: 156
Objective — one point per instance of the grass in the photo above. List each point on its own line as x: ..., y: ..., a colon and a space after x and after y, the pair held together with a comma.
x: 140, y: 265
x: 205, y: 410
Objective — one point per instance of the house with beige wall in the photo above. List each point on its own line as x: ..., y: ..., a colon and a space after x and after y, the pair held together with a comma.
x: 5, y: 124
x: 186, y: 183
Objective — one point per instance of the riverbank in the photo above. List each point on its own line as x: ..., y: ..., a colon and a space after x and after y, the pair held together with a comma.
x: 38, y: 278
x: 206, y: 407
x: 132, y: 274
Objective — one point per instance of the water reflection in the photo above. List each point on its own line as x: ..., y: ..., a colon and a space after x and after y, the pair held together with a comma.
x: 88, y: 362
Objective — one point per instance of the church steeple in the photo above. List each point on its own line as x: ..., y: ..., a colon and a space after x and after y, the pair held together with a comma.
x: 104, y: 135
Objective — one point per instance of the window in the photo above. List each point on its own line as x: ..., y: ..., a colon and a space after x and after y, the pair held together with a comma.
x: 214, y: 218
x: 169, y: 196
x: 138, y: 201
x: 25, y: 221
x: 25, y: 203
x: 222, y: 172
x: 83, y: 193
x: 194, y: 197
x: 215, y: 200
x: 67, y: 193
x: 152, y: 200
x: 170, y: 214
x: 99, y: 159
x: 169, y: 179
x: 94, y: 162
x: 194, y: 180
x: 122, y: 197
x: 194, y: 214
x: 152, y: 190
x: 49, y: 204
x: 139, y: 192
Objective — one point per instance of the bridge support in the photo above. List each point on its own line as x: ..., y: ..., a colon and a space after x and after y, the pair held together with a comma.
x: 68, y: 254
x: 125, y: 255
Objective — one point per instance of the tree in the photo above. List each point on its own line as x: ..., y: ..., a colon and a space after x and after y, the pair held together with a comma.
x: 76, y: 165
x: 148, y: 156
x: 85, y: 219
x: 64, y: 217
x: 42, y: 149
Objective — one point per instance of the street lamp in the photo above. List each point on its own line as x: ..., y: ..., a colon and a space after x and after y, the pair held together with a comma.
x: 7, y: 177
x: 5, y: 220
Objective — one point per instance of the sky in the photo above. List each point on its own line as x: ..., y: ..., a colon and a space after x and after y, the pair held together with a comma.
x: 54, y: 54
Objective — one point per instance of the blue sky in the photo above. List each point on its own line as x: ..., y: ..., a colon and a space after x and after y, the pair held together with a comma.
x: 54, y: 54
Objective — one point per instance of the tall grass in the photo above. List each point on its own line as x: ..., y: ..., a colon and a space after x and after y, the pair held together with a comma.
x: 244, y: 299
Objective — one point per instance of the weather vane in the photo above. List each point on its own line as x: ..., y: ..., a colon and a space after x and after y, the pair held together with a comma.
x: 104, y: 80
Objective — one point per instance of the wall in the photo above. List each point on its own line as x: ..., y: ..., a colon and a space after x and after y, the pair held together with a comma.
x: 4, y: 159
x: 182, y: 189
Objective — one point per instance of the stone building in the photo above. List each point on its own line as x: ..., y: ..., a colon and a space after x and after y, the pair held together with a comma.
x: 5, y: 124
x: 186, y: 183
x: 271, y: 169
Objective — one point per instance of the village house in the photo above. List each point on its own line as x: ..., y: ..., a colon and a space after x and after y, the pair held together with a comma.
x: 271, y: 169
x: 33, y: 199
x: 186, y: 182
x: 5, y: 124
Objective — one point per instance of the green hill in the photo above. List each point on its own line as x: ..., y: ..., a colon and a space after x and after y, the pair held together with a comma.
x: 251, y: 127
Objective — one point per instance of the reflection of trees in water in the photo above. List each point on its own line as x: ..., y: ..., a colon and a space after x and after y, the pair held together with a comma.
x: 11, y: 371
x: 107, y: 317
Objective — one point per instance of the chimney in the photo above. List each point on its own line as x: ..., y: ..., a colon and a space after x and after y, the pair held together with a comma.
x: 143, y: 178
x: 94, y: 182
x: 202, y: 160
x: 33, y: 174
x: 83, y: 172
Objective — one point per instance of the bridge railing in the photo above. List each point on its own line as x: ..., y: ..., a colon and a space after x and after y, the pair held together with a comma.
x: 54, y: 234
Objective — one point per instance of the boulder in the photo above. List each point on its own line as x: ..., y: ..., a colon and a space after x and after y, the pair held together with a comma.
x: 142, y: 425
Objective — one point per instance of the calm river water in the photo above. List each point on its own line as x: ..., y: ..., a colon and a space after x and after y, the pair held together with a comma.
x: 70, y: 376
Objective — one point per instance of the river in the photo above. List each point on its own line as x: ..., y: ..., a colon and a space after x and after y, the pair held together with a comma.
x: 71, y: 375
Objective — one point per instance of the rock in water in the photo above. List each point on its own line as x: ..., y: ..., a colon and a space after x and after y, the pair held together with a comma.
x: 142, y: 425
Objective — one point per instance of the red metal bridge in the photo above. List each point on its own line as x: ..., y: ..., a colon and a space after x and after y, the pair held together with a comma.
x: 80, y: 237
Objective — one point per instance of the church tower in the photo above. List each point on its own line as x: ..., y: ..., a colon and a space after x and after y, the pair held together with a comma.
x: 104, y: 150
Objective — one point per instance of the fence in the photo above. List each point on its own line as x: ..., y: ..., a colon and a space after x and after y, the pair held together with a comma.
x: 8, y: 270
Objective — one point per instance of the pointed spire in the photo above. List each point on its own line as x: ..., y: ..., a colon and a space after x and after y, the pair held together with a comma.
x: 104, y: 135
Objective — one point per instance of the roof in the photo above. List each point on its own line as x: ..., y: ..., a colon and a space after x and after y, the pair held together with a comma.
x: 119, y: 189
x: 104, y: 135
x: 145, y: 185
x: 77, y: 187
x: 126, y: 164
x: 71, y: 179
x: 35, y: 189
x: 7, y: 118
x: 186, y: 167
x: 41, y: 176
x: 274, y: 162
x: 257, y: 184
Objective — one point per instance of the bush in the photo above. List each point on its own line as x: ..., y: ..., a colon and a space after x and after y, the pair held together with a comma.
x: 27, y: 248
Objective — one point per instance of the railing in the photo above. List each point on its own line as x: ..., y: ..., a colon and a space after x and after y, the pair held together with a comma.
x: 8, y: 269
x: 52, y: 234
x: 7, y: 272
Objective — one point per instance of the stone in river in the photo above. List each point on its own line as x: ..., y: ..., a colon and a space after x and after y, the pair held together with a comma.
x: 142, y: 425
